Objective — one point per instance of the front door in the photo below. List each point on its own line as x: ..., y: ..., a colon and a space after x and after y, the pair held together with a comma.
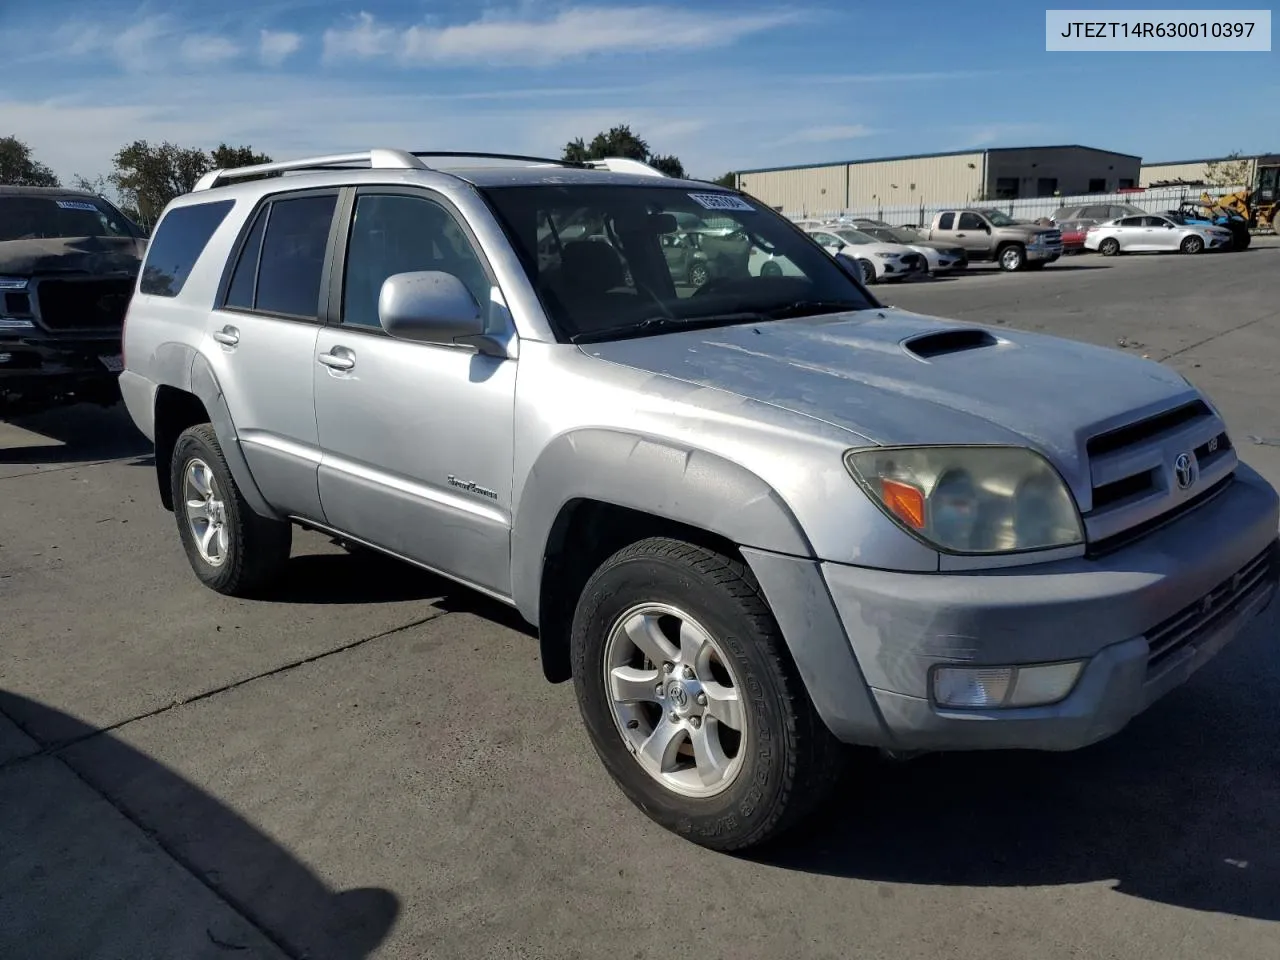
x: 973, y: 234
x: 264, y: 333
x: 416, y: 438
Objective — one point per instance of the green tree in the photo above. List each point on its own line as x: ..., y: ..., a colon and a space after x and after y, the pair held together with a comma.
x: 19, y: 167
x: 1227, y: 172
x: 726, y: 180
x: 620, y: 141
x: 147, y: 176
x: 224, y: 157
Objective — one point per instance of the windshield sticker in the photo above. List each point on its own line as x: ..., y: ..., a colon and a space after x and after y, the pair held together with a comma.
x: 721, y: 201
x: 77, y: 205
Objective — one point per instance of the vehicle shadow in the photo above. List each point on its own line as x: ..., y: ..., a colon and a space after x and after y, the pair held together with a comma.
x: 109, y: 882
x: 361, y: 575
x: 78, y: 433
x: 1182, y: 807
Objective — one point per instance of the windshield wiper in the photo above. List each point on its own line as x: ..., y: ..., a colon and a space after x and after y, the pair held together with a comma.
x: 808, y: 308
x: 654, y: 325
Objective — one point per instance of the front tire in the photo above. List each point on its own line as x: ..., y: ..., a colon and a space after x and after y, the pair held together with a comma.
x: 1192, y: 245
x: 868, y: 272
x: 1012, y: 258
x: 232, y: 550
x: 691, y: 700
x: 699, y: 274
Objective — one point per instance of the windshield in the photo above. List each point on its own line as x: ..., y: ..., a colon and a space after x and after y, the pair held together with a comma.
x: 54, y: 217
x: 609, y: 260
x: 998, y: 219
x: 890, y: 235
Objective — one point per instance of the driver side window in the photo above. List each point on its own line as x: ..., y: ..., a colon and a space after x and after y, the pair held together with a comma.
x: 396, y: 233
x: 970, y: 221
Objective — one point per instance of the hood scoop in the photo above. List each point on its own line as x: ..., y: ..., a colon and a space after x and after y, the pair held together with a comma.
x: 940, y: 343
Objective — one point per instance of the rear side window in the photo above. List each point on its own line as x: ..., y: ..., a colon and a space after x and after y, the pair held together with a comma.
x: 178, y: 242
x: 946, y: 221
x: 1131, y: 222
x: 282, y: 261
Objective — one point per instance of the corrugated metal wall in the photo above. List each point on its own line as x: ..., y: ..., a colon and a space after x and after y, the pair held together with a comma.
x: 914, y: 181
x: 1068, y: 170
x: 1185, y: 171
x: 810, y: 188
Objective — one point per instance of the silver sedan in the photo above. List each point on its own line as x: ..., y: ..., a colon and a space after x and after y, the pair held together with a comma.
x: 1154, y: 233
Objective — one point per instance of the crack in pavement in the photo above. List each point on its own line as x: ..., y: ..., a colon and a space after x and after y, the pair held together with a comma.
x: 1220, y: 334
x: 60, y: 746
x: 69, y: 466
x: 53, y: 752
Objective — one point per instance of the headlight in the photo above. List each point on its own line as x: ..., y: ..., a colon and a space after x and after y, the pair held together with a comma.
x: 971, y: 500
x: 888, y: 256
x: 13, y: 283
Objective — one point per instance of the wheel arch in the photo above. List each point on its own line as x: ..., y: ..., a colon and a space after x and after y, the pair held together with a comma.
x: 176, y: 409
x: 592, y: 492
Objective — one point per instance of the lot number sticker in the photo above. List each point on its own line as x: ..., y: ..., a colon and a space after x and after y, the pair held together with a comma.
x: 77, y: 205
x: 721, y: 201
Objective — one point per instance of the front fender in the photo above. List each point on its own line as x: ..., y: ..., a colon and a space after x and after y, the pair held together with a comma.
x: 650, y: 475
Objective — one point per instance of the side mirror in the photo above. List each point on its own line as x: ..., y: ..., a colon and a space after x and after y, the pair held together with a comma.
x: 429, y: 307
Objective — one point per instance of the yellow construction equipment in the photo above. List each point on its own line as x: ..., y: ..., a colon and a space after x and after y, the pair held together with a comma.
x: 1260, y: 205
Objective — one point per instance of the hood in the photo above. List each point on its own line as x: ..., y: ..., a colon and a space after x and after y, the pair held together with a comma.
x: 872, y: 374
x: 87, y: 255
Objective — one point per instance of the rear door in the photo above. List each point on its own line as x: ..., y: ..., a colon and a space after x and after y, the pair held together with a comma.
x: 264, y: 331
x: 1133, y: 234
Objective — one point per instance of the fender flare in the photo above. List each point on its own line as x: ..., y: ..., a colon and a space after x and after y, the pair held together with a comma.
x: 205, y: 387
x: 650, y: 475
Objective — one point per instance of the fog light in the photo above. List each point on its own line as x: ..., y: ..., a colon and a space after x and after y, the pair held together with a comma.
x: 1029, y: 686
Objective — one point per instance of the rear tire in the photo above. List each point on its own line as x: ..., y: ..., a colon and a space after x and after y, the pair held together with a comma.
x: 691, y: 700
x: 1109, y: 247
x: 1192, y: 245
x: 232, y: 550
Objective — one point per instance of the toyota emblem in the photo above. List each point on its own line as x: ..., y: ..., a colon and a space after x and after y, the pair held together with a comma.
x: 1184, y: 470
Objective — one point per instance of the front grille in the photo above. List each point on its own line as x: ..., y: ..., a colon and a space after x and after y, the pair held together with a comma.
x: 1196, y: 619
x: 1133, y: 475
x: 1052, y: 236
x: 84, y: 304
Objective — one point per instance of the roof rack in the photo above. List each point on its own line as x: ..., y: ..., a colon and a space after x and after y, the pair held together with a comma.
x: 378, y: 159
x: 383, y: 159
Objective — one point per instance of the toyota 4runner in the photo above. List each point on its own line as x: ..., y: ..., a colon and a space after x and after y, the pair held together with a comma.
x: 750, y: 520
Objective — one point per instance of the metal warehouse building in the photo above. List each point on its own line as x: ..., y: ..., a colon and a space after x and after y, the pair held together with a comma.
x: 1004, y: 173
x: 1197, y: 171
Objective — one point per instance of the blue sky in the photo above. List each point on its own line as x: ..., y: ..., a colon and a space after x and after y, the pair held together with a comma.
x: 724, y: 85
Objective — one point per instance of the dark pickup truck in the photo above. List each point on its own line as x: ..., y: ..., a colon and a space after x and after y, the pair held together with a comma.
x: 68, y: 264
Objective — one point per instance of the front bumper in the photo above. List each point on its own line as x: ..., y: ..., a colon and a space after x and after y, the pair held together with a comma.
x: 1137, y: 616
x: 1044, y: 251
x: 31, y: 363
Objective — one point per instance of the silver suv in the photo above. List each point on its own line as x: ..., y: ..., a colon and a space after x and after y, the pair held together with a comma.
x: 751, y: 520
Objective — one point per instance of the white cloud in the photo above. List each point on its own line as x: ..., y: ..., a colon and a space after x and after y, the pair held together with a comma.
x: 276, y: 46
x: 828, y: 134
x: 572, y: 33
x: 983, y: 135
x: 365, y: 38
x: 204, y: 49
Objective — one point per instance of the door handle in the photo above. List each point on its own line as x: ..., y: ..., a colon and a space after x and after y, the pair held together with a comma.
x: 227, y: 336
x: 338, y: 361
x: 959, y: 234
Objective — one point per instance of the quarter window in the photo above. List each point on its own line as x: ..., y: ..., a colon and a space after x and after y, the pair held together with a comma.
x: 403, y: 234
x: 181, y: 237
